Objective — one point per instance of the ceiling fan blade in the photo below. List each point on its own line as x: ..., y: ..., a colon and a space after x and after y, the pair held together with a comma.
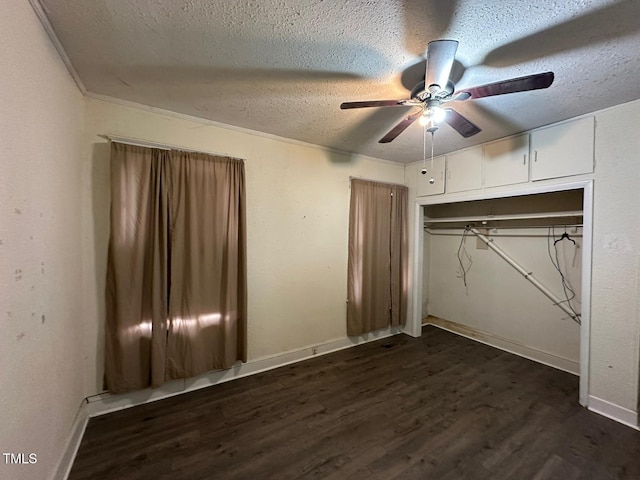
x: 520, y: 84
x: 400, y: 127
x: 460, y: 123
x: 374, y: 103
x: 440, y: 57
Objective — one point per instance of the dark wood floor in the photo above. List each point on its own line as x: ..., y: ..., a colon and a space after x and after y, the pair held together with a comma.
x: 438, y: 407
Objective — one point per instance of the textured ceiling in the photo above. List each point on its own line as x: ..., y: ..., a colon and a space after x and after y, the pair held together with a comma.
x: 284, y: 66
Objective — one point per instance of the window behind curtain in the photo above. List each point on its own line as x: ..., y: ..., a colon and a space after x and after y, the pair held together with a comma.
x: 378, y: 260
x: 176, y: 277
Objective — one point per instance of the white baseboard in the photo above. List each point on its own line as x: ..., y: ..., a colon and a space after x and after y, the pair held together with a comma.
x: 105, y: 402
x: 597, y: 405
x: 546, y: 358
x: 73, y: 443
x: 614, y: 412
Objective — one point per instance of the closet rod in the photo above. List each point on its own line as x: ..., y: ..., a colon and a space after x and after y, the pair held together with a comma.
x: 493, y: 218
x: 439, y: 228
x: 453, y: 232
x: 527, y: 275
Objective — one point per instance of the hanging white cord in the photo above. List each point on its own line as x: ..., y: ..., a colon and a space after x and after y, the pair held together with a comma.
x: 432, y: 180
x: 432, y: 150
x: 424, y: 148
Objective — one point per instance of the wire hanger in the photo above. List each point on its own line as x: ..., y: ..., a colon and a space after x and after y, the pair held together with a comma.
x: 563, y: 236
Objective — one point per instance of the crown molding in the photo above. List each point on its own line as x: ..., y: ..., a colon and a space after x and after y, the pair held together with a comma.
x: 46, y: 24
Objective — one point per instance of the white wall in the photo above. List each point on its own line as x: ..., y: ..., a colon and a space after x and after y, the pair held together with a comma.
x: 614, y: 361
x: 54, y: 230
x: 41, y: 323
x: 615, y: 303
x: 499, y: 301
x: 416, y: 249
x: 426, y: 276
x: 297, y: 224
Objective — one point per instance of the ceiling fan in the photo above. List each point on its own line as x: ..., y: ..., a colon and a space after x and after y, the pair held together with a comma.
x: 438, y: 90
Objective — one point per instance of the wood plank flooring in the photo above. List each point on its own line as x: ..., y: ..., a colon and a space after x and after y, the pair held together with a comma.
x: 437, y: 407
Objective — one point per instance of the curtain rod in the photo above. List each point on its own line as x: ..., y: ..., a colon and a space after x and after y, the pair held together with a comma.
x: 160, y: 146
x: 351, y: 177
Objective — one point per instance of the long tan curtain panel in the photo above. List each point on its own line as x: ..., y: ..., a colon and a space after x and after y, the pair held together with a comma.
x: 378, y: 258
x: 176, y: 276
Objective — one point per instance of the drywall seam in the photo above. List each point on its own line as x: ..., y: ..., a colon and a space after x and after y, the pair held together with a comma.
x: 614, y: 412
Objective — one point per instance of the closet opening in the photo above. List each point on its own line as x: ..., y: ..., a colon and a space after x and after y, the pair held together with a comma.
x: 512, y: 270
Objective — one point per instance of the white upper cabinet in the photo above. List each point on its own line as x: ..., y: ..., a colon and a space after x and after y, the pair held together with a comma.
x: 562, y: 150
x: 506, y: 161
x: 423, y: 187
x: 464, y: 170
x: 558, y: 151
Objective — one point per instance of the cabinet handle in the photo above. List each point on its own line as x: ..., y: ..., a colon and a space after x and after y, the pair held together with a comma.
x: 535, y: 156
x: 524, y: 159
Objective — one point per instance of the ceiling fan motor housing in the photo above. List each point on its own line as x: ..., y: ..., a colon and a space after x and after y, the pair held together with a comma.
x: 440, y: 90
x: 420, y: 93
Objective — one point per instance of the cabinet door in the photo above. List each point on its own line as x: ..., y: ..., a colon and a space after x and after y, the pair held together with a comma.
x: 506, y: 161
x: 464, y: 170
x: 423, y: 187
x: 562, y: 150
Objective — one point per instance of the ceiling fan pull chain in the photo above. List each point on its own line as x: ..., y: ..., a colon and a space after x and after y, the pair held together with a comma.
x: 424, y: 148
x: 432, y: 180
x: 432, y: 149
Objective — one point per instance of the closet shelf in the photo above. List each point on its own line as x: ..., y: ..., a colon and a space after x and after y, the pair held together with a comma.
x: 493, y: 218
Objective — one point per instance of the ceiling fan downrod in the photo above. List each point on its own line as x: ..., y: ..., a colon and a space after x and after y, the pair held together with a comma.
x: 437, y: 89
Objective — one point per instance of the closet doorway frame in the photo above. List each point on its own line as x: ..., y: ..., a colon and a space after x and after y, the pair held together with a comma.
x: 586, y: 186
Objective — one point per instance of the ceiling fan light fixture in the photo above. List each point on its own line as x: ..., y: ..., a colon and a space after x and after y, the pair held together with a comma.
x: 432, y: 116
x: 430, y: 94
x: 437, y: 114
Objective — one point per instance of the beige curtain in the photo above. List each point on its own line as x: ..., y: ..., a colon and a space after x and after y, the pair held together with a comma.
x: 137, y: 301
x: 377, y: 268
x: 399, y: 254
x: 176, y: 277
x: 208, y: 274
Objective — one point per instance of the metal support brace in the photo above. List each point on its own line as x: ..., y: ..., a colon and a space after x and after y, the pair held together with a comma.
x: 527, y: 275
